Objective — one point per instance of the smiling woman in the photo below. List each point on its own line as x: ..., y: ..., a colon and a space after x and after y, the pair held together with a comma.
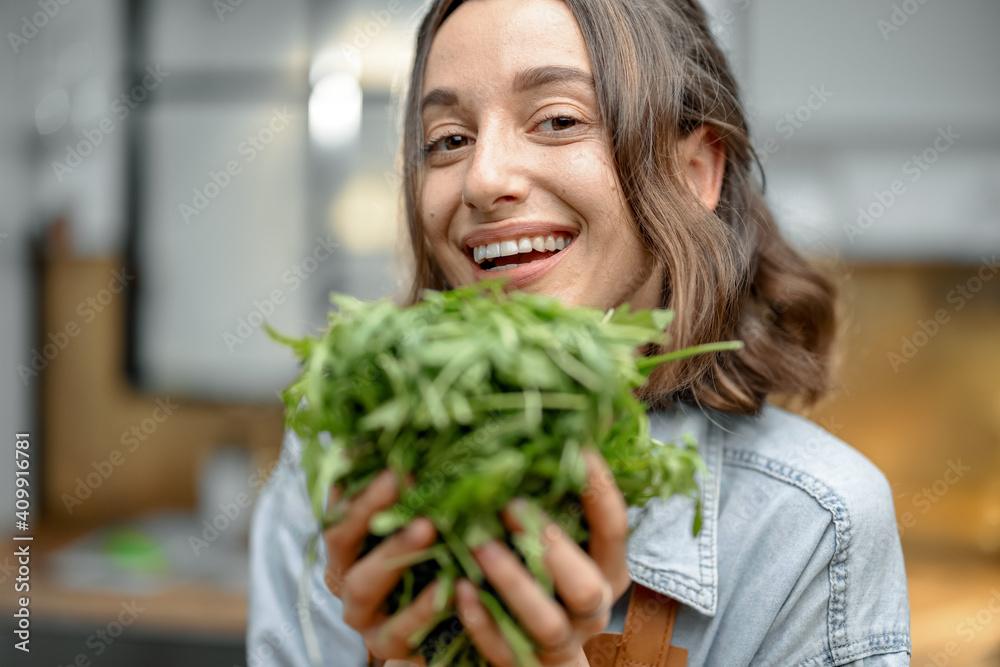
x: 521, y: 155
x: 597, y: 151
x: 510, y: 136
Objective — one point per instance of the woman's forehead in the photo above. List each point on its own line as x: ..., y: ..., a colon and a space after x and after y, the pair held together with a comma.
x: 492, y: 42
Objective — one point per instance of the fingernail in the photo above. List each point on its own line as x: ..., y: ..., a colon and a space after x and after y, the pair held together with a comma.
x: 386, y: 480
x: 488, y: 552
x: 418, y: 530
x: 464, y: 591
x: 465, y: 599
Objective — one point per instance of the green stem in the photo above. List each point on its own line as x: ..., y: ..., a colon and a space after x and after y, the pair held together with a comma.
x: 647, y: 363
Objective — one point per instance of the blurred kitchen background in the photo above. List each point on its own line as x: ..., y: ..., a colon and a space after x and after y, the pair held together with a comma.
x: 175, y: 172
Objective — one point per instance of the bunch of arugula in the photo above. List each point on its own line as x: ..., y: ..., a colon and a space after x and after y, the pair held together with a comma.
x: 479, y: 397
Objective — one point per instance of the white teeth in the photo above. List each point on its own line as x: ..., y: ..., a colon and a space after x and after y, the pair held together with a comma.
x: 504, y: 268
x: 508, y: 248
x: 523, y: 245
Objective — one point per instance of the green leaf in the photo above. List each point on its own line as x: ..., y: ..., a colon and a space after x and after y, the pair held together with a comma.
x: 476, y: 396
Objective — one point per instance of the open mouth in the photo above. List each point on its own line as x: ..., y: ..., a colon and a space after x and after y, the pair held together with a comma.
x: 512, y: 253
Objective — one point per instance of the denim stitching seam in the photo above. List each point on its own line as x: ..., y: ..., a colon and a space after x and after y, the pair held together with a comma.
x: 822, y: 494
x: 880, y: 644
x: 707, y: 542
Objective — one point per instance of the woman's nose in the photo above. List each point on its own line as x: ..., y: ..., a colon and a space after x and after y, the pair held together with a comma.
x: 497, y: 174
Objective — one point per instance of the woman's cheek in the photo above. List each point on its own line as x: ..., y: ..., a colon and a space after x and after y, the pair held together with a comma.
x: 435, y: 203
x: 593, y: 173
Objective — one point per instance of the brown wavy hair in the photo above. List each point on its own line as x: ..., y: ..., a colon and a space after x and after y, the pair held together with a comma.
x: 728, y: 273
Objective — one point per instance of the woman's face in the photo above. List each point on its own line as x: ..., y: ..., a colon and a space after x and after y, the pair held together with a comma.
x: 518, y: 161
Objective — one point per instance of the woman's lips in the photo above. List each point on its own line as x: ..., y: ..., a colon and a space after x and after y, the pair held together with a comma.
x: 526, y: 274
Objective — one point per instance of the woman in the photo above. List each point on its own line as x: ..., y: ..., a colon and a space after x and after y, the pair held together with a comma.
x: 596, y: 151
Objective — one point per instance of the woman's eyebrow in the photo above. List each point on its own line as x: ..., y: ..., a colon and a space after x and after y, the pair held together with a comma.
x: 525, y: 80
x: 441, y: 97
x: 536, y: 77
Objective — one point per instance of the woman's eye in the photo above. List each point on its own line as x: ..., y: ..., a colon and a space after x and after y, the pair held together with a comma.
x: 560, y: 123
x: 451, y: 143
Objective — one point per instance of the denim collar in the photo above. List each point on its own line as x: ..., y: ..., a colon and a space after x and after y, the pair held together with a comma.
x: 662, y: 554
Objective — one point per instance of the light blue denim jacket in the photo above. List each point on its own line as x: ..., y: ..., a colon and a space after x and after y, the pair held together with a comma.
x: 798, y: 561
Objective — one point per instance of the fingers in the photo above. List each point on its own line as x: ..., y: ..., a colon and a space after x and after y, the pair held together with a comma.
x: 588, y: 583
x: 605, y: 509
x: 583, y: 587
x: 482, y: 629
x: 364, y: 584
x: 393, y: 637
x: 536, y: 611
x: 371, y: 579
x: 344, y: 540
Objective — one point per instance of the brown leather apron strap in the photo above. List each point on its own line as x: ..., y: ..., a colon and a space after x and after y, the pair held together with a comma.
x: 649, y: 626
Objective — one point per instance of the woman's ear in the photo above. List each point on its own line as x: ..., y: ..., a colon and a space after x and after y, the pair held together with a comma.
x: 704, y: 158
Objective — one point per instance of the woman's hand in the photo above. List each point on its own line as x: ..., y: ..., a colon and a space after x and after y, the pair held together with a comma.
x: 588, y: 584
x: 362, y: 585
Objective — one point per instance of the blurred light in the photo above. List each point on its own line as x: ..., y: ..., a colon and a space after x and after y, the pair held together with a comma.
x: 377, y: 52
x: 364, y: 215
x: 331, y: 61
x: 335, y: 109
x: 386, y: 61
x: 52, y: 112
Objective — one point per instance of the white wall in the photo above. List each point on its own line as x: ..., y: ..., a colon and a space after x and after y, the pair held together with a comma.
x: 895, y: 79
